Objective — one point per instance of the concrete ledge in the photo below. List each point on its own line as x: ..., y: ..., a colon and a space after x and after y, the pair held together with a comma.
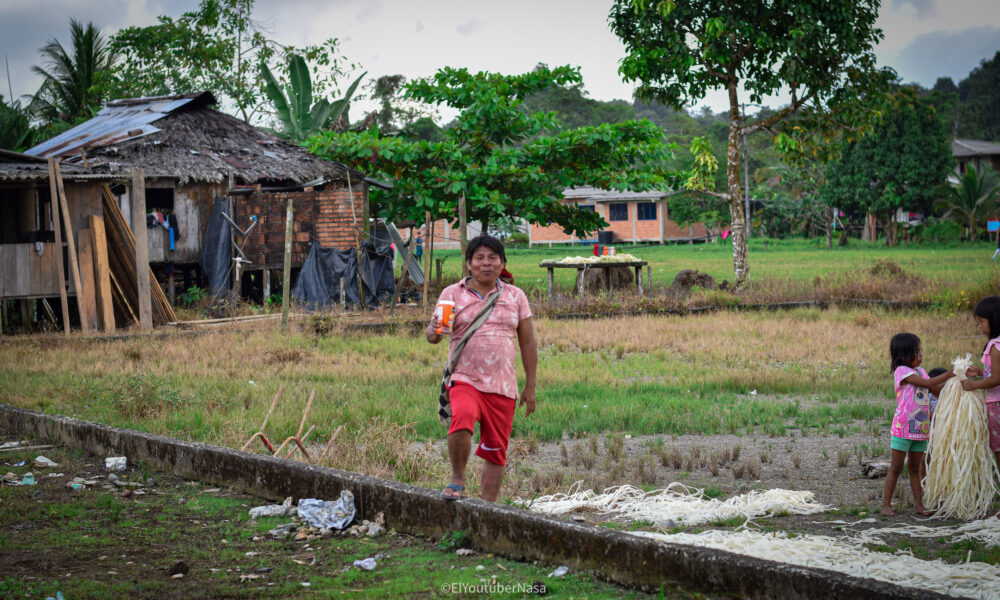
x: 503, y: 530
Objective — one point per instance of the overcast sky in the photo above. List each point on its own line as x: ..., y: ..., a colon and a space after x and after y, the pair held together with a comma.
x: 924, y: 39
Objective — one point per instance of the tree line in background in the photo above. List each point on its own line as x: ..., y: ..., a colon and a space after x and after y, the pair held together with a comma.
x: 852, y: 148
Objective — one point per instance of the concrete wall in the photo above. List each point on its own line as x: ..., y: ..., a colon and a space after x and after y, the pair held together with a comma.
x: 504, y: 530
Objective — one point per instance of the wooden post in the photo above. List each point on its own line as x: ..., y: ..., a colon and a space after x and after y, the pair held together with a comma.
x: 286, y: 277
x: 172, y: 296
x: 85, y: 297
x: 343, y: 296
x: 579, y: 282
x: 427, y: 256
x: 463, y: 235
x: 437, y: 272
x: 102, y: 277
x: 649, y: 280
x: 57, y: 229
x: 4, y: 322
x: 137, y: 199
x: 74, y: 264
x: 551, y: 277
x: 266, y: 274
x: 638, y: 278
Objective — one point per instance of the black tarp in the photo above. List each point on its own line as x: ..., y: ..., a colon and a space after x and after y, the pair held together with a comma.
x: 215, y: 256
x: 318, y: 283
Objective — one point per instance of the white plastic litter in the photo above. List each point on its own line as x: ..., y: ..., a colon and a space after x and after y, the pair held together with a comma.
x: 115, y: 463
x: 368, y: 564
x: 44, y: 463
x: 271, y: 510
x: 970, y: 580
x: 678, y: 503
x: 559, y: 572
x: 962, y: 477
x: 326, y: 513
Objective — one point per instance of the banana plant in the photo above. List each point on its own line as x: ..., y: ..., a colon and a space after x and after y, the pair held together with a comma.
x: 299, y: 117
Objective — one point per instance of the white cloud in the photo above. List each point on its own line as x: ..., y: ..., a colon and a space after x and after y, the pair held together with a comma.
x: 471, y: 26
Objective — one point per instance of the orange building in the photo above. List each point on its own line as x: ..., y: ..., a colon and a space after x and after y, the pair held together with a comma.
x: 632, y: 217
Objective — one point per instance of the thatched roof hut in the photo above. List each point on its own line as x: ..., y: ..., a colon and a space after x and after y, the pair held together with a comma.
x: 182, y: 138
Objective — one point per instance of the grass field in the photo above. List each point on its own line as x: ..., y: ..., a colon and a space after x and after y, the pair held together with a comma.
x: 742, y: 373
x: 798, y: 261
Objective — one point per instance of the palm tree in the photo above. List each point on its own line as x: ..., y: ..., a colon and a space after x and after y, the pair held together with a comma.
x: 970, y: 198
x: 70, y: 87
x: 16, y: 130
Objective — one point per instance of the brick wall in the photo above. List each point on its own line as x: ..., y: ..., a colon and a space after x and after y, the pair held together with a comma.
x: 322, y: 215
x: 644, y: 231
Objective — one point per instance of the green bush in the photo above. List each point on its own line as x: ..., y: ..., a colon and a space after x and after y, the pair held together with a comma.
x: 192, y: 295
x: 941, y: 231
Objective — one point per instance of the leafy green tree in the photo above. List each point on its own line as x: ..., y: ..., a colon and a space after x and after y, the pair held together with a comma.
x: 821, y: 53
x: 16, y: 131
x: 71, y: 79
x: 506, y: 161
x: 298, y: 115
x: 980, y: 95
x: 218, y: 47
x: 897, y: 166
x: 970, y: 199
x: 575, y: 108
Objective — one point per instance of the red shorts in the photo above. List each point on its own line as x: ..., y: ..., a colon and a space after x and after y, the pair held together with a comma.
x: 493, y: 412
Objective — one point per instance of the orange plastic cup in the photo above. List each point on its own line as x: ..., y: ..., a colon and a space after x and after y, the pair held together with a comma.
x: 444, y: 311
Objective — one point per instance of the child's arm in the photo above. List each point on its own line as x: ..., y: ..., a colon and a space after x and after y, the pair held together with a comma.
x: 990, y: 382
x: 934, y: 384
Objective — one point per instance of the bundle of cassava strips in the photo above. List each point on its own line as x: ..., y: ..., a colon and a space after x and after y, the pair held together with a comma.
x: 962, y: 475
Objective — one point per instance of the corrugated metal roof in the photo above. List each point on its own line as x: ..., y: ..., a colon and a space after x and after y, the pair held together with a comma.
x: 963, y: 148
x: 118, y: 121
x: 600, y: 195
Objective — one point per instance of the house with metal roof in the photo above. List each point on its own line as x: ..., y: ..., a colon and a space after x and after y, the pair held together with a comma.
x: 192, y: 154
x: 633, y: 217
x: 975, y: 152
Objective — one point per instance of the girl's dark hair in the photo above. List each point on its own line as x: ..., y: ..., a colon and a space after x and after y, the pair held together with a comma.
x: 989, y: 308
x: 903, y: 349
x: 484, y: 240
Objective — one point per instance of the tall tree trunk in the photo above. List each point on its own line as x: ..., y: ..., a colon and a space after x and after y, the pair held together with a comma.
x: 891, y: 230
x: 830, y: 218
x: 741, y: 260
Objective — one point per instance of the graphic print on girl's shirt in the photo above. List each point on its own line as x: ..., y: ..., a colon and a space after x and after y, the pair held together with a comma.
x: 912, y: 420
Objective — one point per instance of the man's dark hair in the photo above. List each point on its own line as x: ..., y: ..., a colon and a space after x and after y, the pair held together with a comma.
x: 485, y: 240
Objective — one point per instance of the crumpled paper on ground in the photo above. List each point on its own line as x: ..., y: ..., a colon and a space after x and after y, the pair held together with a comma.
x: 327, y: 513
x: 272, y: 510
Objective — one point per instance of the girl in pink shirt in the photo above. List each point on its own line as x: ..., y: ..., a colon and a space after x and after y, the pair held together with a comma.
x: 911, y: 425
x: 987, y: 314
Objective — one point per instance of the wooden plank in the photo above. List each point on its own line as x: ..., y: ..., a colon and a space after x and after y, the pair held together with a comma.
x: 121, y: 260
x: 4, y: 269
x: 102, y: 274
x: 74, y: 264
x: 57, y: 228
x: 36, y: 272
x: 21, y: 263
x: 85, y: 298
x: 137, y: 198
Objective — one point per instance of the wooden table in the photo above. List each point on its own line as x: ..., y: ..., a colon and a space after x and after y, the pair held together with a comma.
x: 582, y: 267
